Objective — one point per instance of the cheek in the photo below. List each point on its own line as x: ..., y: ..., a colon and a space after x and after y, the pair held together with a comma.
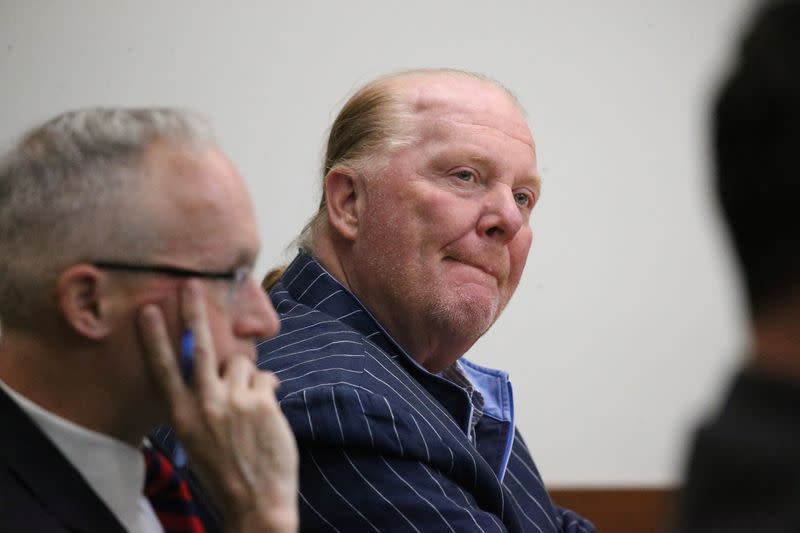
x: 442, y: 209
x: 518, y: 252
x: 163, y: 295
x: 411, y: 223
x: 445, y: 219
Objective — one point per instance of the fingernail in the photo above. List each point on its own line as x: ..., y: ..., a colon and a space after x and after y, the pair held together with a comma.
x: 148, y: 313
x: 193, y: 288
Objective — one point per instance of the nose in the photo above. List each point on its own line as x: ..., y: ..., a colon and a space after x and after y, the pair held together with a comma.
x: 501, y: 218
x: 257, y: 318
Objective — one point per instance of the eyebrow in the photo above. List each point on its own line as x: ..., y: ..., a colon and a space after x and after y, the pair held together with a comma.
x: 534, y: 180
x: 239, y: 258
x: 479, y: 159
x: 246, y: 257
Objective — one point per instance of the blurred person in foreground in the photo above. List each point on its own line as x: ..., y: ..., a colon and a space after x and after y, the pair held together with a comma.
x: 125, y: 234
x: 744, y: 470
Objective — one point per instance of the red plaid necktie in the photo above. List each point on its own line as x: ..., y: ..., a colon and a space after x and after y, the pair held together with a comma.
x: 169, y: 495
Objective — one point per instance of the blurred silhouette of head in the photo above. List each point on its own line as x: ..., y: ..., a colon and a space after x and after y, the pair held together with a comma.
x: 756, y: 137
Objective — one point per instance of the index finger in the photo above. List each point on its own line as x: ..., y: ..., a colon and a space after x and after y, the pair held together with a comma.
x: 193, y: 309
x: 160, y: 358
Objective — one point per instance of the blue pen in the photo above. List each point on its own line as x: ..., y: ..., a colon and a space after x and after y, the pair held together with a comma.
x: 186, y: 360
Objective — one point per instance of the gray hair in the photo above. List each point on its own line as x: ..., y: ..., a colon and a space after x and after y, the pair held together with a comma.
x: 65, y: 192
x: 373, y: 124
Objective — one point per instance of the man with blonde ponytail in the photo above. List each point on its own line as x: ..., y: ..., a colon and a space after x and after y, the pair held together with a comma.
x: 420, y: 240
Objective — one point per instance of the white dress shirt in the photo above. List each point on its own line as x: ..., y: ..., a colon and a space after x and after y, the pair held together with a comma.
x: 114, y: 469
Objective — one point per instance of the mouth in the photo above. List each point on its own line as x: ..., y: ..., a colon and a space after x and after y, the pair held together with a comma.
x: 488, y: 270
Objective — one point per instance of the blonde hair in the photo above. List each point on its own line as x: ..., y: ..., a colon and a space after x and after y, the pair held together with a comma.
x: 272, y: 277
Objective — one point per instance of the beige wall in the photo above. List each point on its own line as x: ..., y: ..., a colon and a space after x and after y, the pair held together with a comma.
x: 624, y: 325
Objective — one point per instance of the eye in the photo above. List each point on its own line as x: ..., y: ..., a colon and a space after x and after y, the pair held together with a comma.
x: 237, y: 279
x: 523, y: 199
x: 240, y: 276
x: 465, y: 175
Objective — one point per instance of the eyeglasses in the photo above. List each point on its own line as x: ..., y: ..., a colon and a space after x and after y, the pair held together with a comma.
x: 236, y: 277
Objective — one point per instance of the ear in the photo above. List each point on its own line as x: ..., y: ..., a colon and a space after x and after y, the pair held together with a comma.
x: 81, y: 300
x: 343, y: 196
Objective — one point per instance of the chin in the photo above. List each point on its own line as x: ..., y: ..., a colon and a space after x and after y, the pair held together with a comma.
x: 468, y: 315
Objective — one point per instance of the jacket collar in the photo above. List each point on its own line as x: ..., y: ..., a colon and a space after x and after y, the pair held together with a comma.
x: 51, y: 479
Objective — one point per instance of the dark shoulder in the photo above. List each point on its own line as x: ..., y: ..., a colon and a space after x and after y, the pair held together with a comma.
x: 21, y: 509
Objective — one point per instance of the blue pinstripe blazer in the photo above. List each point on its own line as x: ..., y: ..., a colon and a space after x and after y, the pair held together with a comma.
x: 384, y: 444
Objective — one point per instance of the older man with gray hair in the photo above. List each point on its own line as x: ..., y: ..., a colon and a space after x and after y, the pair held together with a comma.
x: 430, y: 179
x: 124, y: 235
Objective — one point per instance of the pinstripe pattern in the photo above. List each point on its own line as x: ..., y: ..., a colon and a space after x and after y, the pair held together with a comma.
x: 383, y: 443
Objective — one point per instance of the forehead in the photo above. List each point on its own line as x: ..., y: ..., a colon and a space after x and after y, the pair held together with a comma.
x: 460, y: 99
x: 200, y: 204
x: 459, y: 117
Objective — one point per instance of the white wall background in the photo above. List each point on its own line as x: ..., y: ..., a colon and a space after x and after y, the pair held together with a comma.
x: 626, y: 323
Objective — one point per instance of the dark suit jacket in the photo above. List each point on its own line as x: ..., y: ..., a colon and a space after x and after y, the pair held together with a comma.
x: 40, y: 490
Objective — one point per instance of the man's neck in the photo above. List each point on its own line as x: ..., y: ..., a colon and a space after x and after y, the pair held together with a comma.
x: 326, y: 252
x: 777, y: 341
x: 63, y: 384
x: 432, y: 353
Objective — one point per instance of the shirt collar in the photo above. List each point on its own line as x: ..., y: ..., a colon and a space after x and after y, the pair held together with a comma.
x: 455, y: 374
